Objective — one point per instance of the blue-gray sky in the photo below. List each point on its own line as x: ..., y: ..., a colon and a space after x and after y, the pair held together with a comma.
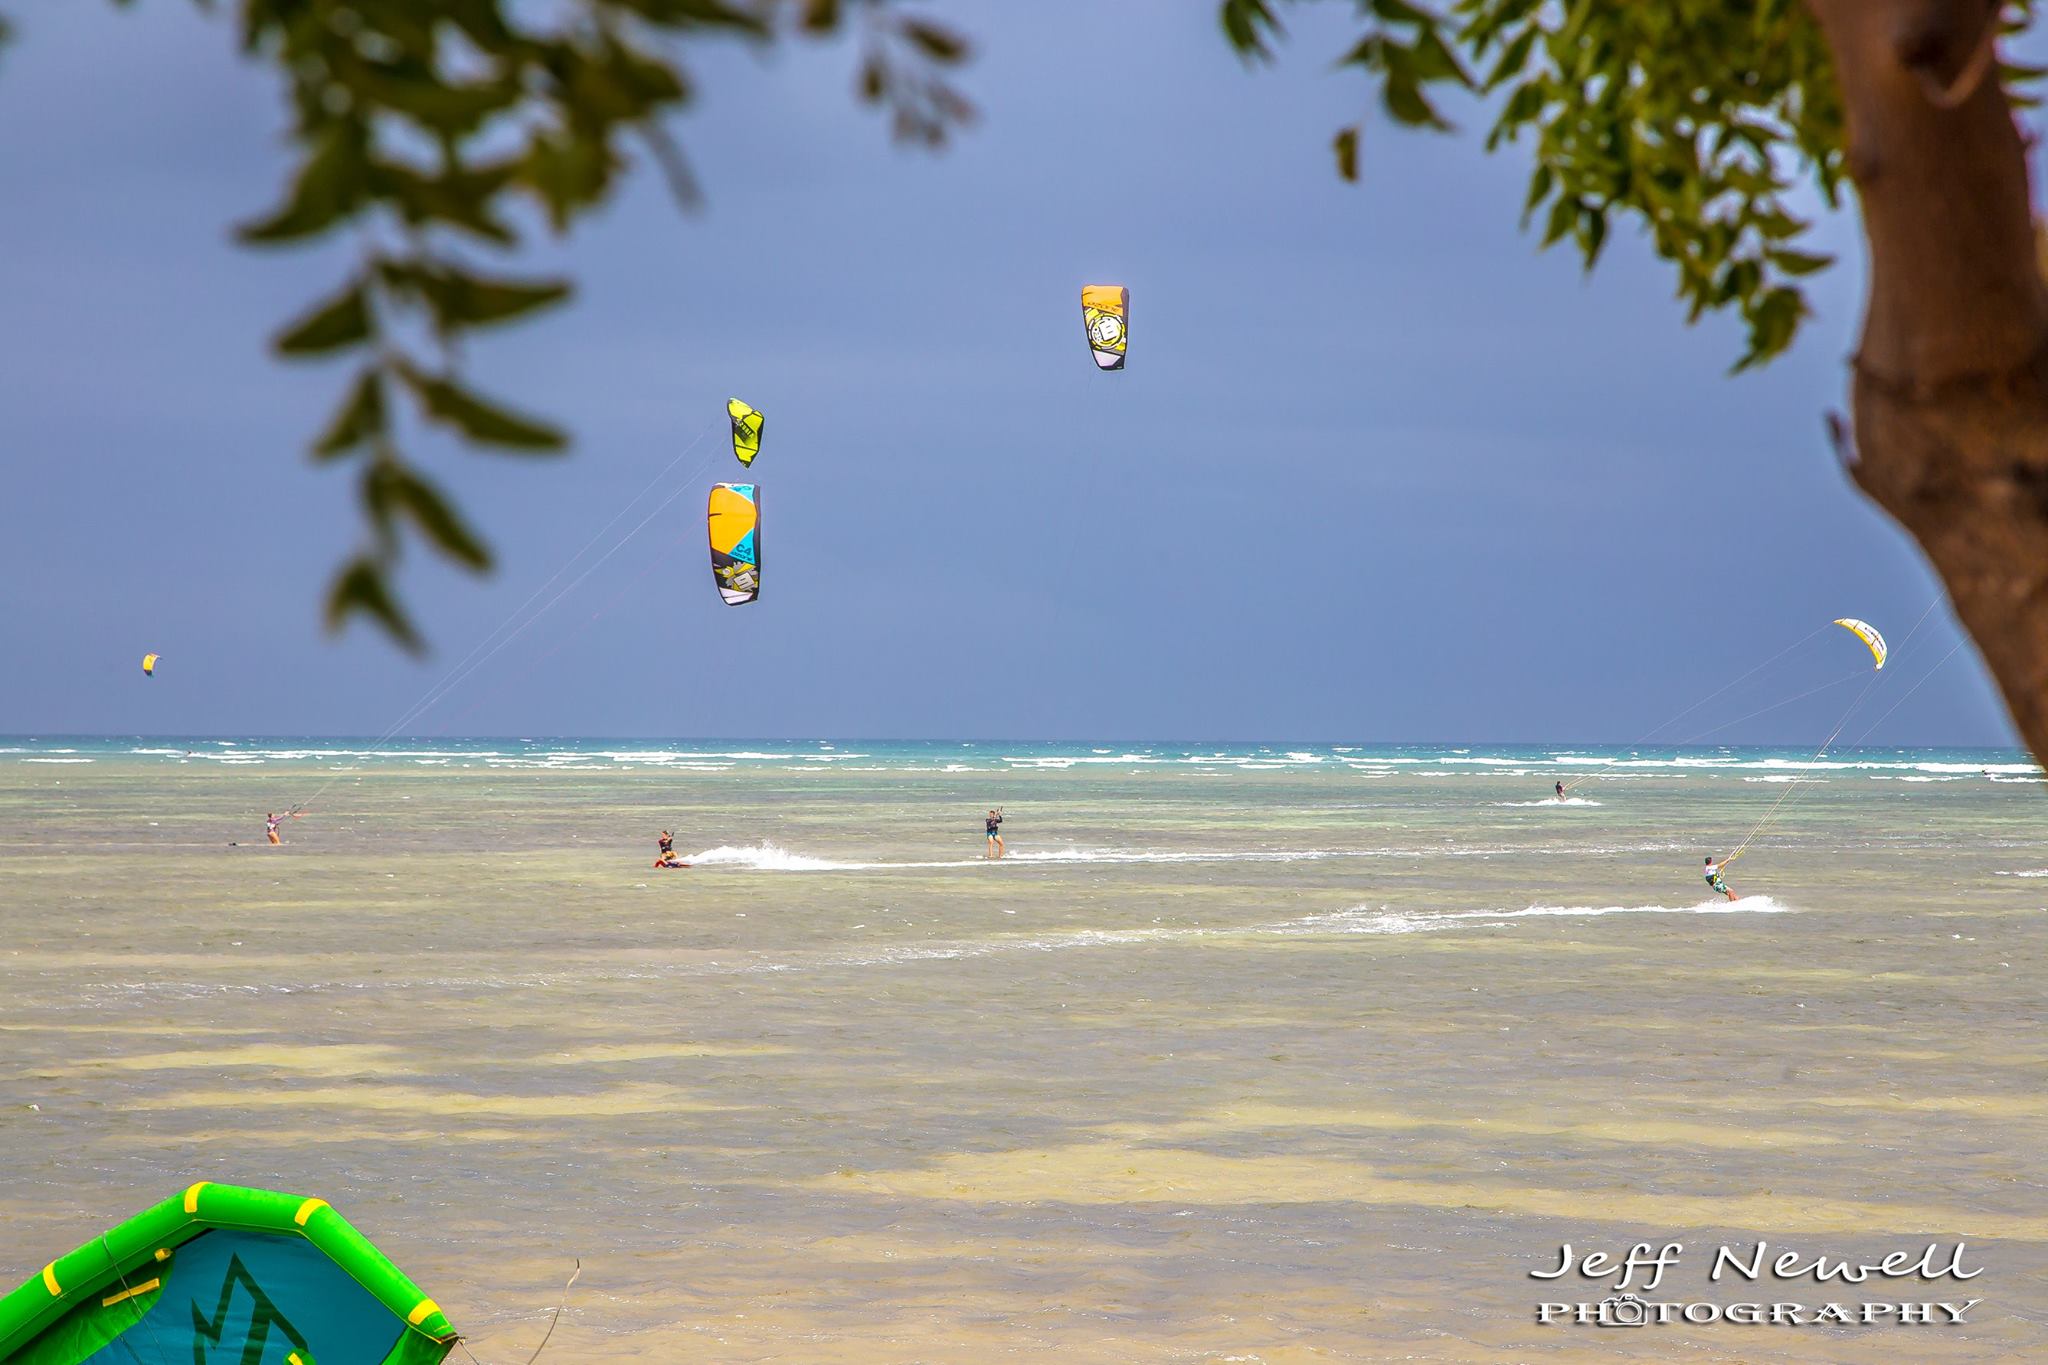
x: 1379, y: 469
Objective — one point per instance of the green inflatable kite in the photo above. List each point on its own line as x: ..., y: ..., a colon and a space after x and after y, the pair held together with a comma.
x: 227, y: 1275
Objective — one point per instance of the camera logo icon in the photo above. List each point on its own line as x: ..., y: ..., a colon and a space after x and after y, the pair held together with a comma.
x: 1623, y: 1310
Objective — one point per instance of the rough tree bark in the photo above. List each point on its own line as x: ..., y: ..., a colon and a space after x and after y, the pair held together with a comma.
x: 1950, y: 389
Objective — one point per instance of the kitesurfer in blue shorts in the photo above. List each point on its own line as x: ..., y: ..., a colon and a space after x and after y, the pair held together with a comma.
x: 995, y: 836
x: 1716, y: 880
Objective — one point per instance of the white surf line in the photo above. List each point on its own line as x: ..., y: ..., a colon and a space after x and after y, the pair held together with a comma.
x: 772, y: 857
x: 1388, y: 920
x: 1358, y: 920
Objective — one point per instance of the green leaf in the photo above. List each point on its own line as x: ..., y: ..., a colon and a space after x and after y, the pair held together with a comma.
x: 460, y: 299
x: 940, y: 44
x: 1737, y: 282
x: 1401, y: 12
x: 1773, y: 322
x: 443, y: 106
x: 1539, y: 189
x: 1798, y: 262
x: 1525, y: 104
x: 687, y: 14
x: 1365, y: 53
x: 1436, y: 62
x: 478, y: 418
x: 329, y: 187
x: 341, y: 321
x: 1346, y: 147
x: 391, y: 487
x: 649, y: 79
x: 1563, y: 214
x: 567, y: 173
x: 360, y: 587
x: 458, y: 196
x: 1592, y: 233
x: 1487, y: 19
x: 1246, y: 24
x: 1512, y: 59
x: 1405, y: 101
x: 360, y: 418
x: 481, y: 302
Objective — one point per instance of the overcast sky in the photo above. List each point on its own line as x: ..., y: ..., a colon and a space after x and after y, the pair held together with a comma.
x: 1378, y: 469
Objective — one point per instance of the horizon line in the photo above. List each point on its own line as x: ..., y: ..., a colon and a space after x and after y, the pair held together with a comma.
x: 376, y: 741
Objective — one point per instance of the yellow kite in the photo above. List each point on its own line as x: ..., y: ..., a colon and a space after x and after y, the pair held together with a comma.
x: 746, y: 430
x: 1867, y: 633
x: 1106, y: 312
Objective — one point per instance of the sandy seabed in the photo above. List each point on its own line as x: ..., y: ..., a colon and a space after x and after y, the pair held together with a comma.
x: 1265, y: 1065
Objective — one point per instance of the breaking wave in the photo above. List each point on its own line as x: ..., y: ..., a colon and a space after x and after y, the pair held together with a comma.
x: 1365, y: 919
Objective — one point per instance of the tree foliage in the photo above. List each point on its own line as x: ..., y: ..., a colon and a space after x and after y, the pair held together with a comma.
x: 1698, y: 119
x: 438, y: 134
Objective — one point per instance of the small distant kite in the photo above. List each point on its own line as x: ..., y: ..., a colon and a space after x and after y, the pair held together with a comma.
x: 1867, y: 633
x: 746, y: 431
x: 1106, y: 312
x: 149, y: 665
x: 734, y: 519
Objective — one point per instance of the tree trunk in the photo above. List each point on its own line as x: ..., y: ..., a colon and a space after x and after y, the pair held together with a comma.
x: 1951, y: 375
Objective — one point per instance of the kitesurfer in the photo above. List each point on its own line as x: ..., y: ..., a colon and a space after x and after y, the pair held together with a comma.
x: 1717, y: 880
x: 272, y: 820
x: 667, y: 856
x: 995, y: 836
x: 1560, y: 791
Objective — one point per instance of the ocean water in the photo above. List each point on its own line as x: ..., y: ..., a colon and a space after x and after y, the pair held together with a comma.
x: 1246, y: 1052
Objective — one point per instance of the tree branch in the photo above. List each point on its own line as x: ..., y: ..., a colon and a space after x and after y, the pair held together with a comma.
x: 1951, y: 373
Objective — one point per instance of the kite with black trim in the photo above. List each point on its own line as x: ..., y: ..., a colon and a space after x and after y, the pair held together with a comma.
x: 733, y: 517
x: 746, y: 430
